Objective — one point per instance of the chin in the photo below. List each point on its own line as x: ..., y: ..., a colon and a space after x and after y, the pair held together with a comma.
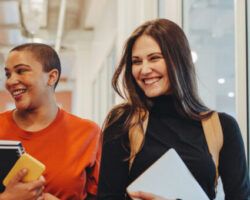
x: 21, y: 107
x: 152, y: 94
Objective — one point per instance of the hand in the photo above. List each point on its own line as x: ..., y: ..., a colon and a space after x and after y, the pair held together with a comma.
x: 16, y: 189
x: 146, y: 196
x: 48, y: 196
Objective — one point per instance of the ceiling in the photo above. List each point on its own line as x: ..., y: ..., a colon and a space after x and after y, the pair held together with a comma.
x: 16, y: 16
x: 54, y: 22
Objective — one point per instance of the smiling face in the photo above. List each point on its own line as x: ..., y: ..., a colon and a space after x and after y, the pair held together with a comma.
x: 25, y: 80
x: 149, y: 67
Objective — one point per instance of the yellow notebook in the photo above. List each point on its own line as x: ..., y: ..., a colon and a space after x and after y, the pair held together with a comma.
x: 35, y: 168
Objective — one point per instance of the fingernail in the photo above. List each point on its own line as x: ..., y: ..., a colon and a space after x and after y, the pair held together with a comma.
x: 24, y: 170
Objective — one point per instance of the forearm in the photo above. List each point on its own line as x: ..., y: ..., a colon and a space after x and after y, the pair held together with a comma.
x: 3, y: 196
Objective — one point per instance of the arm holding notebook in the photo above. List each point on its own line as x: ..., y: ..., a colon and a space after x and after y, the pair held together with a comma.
x: 16, y: 189
x: 66, y: 144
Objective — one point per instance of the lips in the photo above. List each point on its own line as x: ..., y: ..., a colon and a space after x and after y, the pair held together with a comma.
x: 150, y: 81
x: 17, y: 93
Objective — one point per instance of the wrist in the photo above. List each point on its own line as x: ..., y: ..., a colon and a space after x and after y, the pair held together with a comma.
x: 3, y: 196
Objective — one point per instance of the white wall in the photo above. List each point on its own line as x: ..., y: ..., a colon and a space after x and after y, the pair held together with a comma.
x: 112, y: 25
x: 91, y: 56
x: 241, y: 66
x: 130, y: 15
x: 82, y: 90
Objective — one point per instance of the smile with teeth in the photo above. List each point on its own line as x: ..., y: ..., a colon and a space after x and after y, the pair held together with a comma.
x: 18, y: 92
x: 150, y: 81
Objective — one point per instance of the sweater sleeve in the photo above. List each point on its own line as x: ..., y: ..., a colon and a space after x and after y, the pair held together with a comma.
x: 114, y: 166
x: 93, y: 169
x: 232, y: 164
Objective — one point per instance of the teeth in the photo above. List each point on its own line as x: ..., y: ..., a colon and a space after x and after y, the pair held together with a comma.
x: 18, y: 92
x: 151, y: 80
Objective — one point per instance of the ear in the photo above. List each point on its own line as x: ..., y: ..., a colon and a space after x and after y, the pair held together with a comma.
x: 53, y: 76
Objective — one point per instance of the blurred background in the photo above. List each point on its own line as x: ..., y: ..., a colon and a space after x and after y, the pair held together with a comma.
x: 89, y: 37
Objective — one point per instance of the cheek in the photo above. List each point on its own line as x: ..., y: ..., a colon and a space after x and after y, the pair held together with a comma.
x: 167, y: 84
x: 6, y: 85
x: 135, y: 72
x: 165, y: 72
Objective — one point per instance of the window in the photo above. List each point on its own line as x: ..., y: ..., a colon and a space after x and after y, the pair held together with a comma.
x: 209, y: 26
x: 161, y: 8
x: 103, y: 94
x: 248, y: 76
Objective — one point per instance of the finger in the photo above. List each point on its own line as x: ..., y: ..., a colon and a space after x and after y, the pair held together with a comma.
x: 40, y: 191
x: 41, y: 197
x: 37, y: 193
x: 42, y: 178
x: 36, y: 185
x: 142, y: 195
x: 19, y: 176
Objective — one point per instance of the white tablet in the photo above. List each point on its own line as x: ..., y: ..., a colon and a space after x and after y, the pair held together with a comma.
x: 169, y: 177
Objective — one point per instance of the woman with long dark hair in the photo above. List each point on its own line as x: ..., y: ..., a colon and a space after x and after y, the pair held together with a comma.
x: 162, y: 110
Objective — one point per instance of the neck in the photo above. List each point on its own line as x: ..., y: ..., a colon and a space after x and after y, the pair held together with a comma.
x: 164, y: 105
x: 36, y: 119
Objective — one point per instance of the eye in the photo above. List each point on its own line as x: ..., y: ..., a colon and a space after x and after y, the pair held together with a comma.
x: 7, y: 74
x: 155, y: 58
x: 136, y: 62
x: 21, y: 70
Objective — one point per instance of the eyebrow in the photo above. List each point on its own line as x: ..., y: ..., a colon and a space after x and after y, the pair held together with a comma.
x: 155, y: 53
x: 151, y: 54
x: 16, y: 66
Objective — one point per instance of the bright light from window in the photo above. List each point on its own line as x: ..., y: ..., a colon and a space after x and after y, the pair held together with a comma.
x: 221, y: 80
x: 194, y: 56
x: 38, y: 40
x: 230, y: 94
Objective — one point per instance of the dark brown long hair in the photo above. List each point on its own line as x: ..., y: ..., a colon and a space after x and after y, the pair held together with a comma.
x: 181, y: 73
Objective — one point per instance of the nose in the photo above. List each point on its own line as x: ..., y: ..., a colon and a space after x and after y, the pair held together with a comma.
x: 11, y: 80
x: 146, y: 67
